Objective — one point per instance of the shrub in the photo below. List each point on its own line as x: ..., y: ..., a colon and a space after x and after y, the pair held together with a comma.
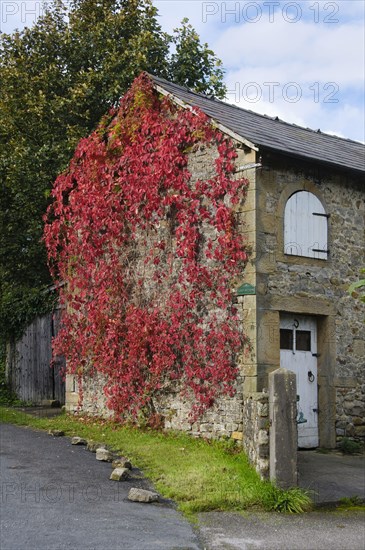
x: 349, y: 447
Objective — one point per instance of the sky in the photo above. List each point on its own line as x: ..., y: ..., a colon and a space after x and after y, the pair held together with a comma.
x: 302, y: 61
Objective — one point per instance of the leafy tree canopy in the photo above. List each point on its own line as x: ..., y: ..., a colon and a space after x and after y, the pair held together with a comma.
x: 57, y: 79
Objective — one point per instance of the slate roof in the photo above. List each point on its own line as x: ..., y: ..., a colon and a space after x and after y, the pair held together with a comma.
x: 274, y: 134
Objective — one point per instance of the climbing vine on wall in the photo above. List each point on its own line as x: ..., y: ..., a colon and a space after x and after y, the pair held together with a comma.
x: 148, y: 254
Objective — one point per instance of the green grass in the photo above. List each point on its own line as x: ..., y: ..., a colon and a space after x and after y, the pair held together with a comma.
x: 351, y: 503
x: 197, y: 474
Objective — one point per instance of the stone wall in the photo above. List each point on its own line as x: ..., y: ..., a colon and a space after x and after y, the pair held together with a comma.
x: 224, y: 420
x: 256, y: 427
x: 93, y: 397
x: 350, y: 415
x: 315, y: 287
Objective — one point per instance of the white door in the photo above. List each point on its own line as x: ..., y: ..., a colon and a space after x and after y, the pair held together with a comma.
x: 298, y: 353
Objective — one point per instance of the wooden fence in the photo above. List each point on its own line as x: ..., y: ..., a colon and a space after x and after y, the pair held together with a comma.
x: 29, y: 370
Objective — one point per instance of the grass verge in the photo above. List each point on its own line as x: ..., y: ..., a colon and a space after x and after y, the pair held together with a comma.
x: 199, y: 475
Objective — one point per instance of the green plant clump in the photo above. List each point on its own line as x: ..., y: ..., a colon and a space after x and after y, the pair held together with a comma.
x: 351, y: 502
x: 292, y: 501
x: 350, y: 447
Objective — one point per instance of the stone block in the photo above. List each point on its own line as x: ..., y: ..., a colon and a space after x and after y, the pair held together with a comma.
x: 350, y: 430
x: 354, y: 408
x: 94, y: 445
x: 263, y: 467
x: 142, y: 495
x: 263, y: 423
x: 78, y: 441
x: 119, y: 474
x: 104, y: 455
x: 263, y: 409
x: 359, y: 347
x: 122, y: 462
x: 283, y: 431
x: 263, y: 451
x: 263, y: 437
x: 341, y: 425
x: 359, y: 431
x: 345, y: 382
x: 219, y: 428
x: 238, y: 436
x: 231, y: 427
x: 205, y: 427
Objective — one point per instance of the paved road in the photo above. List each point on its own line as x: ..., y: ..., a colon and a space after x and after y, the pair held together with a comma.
x: 331, y: 476
x: 268, y: 531
x: 56, y: 496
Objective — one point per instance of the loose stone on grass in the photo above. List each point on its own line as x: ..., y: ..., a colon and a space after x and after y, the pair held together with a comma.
x: 104, y: 455
x: 142, y: 495
x: 78, y: 441
x: 56, y: 433
x: 122, y: 462
x: 119, y: 474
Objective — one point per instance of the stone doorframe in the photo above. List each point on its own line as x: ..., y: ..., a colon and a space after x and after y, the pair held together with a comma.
x: 269, y: 325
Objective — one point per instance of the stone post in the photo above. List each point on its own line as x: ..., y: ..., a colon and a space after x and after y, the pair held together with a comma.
x: 283, y: 428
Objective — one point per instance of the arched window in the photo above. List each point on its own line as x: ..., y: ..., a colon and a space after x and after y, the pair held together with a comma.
x: 305, y: 226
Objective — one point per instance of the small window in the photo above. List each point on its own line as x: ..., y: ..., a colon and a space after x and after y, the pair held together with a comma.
x: 305, y: 226
x: 286, y: 339
x: 303, y: 340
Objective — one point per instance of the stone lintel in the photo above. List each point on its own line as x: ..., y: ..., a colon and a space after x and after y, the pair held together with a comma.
x: 299, y: 305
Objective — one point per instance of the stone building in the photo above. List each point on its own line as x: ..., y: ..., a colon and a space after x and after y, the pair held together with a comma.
x: 304, y: 221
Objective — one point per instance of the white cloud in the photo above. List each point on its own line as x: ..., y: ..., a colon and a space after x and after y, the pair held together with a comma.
x: 325, y: 45
x: 335, y: 54
x: 322, y: 54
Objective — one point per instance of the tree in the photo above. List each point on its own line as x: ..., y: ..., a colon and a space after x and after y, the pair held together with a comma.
x: 33, y: 147
x: 207, y: 76
x: 57, y: 79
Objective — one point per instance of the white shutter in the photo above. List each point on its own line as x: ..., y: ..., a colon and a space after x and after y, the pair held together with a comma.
x: 305, y: 226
